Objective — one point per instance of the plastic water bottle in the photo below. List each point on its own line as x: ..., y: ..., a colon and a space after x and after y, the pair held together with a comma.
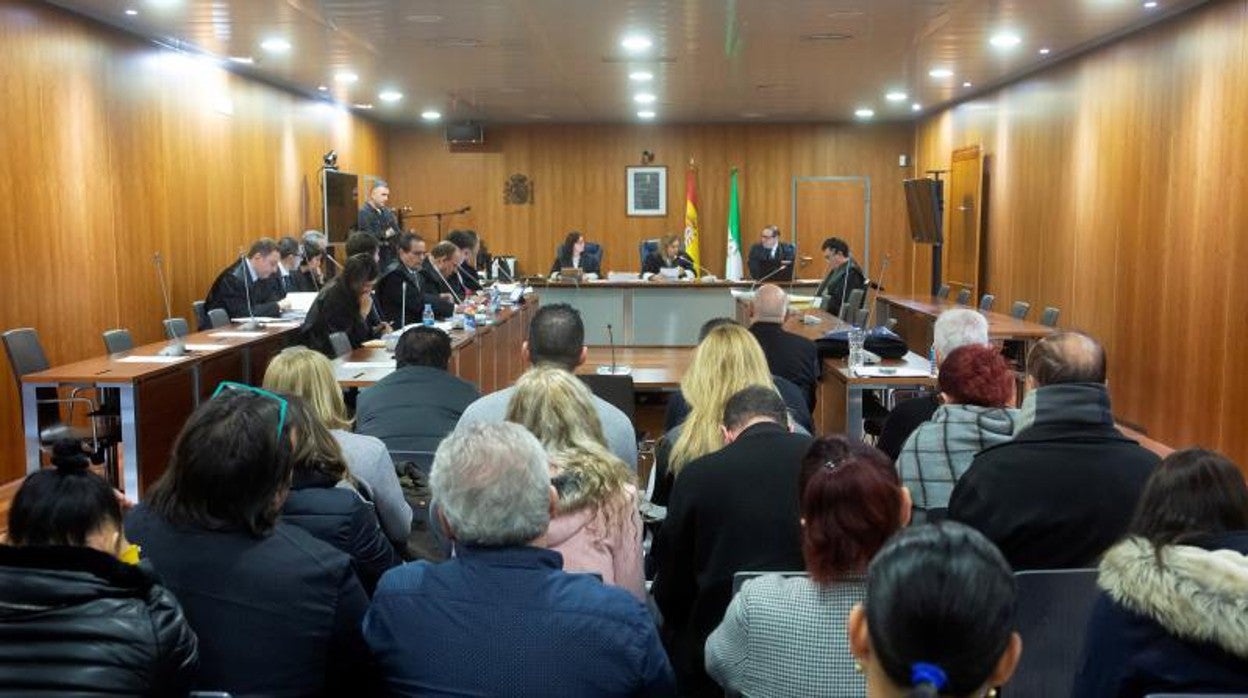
x: 931, y: 360
x: 427, y: 317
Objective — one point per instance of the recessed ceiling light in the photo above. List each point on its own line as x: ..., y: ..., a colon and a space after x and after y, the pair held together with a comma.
x: 645, y: 114
x: 940, y: 73
x: 641, y: 76
x: 362, y: 105
x: 346, y: 76
x: 644, y: 98
x: 245, y: 60
x: 390, y: 96
x: 636, y: 43
x: 132, y: 12
x: 430, y: 115
x: 1150, y: 5
x: 967, y: 83
x: 864, y: 113
x: 1005, y: 40
x: 916, y: 107
x: 896, y: 96
x: 275, y: 44
x: 1044, y: 51
x: 323, y: 88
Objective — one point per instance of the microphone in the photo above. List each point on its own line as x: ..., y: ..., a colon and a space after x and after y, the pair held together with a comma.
x: 613, y: 369
x: 878, y: 288
x: 447, y: 284
x: 177, y: 345
x: 403, y: 307
x: 251, y: 325
x: 849, y: 266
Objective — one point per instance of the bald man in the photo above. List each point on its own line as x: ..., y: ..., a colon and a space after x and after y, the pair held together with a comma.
x: 788, y: 355
x: 1065, y: 488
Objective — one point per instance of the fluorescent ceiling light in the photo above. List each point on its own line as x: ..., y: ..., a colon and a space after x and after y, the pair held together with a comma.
x: 940, y: 73
x: 430, y: 115
x: 864, y: 113
x: 346, y: 76
x: 1005, y: 39
x: 390, y: 96
x: 644, y: 98
x: 275, y: 44
x: 645, y: 114
x: 641, y: 76
x: 896, y: 96
x: 636, y: 43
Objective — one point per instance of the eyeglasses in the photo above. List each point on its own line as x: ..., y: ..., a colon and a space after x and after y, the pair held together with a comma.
x: 231, y: 385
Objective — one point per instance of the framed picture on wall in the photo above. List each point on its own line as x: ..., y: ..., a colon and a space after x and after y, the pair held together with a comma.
x: 647, y: 191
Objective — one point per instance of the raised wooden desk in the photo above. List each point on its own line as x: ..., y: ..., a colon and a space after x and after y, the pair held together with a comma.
x: 916, y: 315
x: 155, y: 395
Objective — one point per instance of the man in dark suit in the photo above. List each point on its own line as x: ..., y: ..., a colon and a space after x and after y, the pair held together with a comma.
x: 1066, y: 487
x: 242, y: 289
x: 732, y: 510
x: 411, y: 251
x: 290, y: 254
x: 467, y: 242
x: 843, y: 275
x: 769, y: 255
x: 375, y: 218
x: 789, y: 356
x: 413, y: 408
x: 438, y: 273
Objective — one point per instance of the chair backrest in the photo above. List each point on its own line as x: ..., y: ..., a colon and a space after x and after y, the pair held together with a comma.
x: 647, y: 248
x: 943, y: 292
x: 176, y: 328
x: 740, y: 578
x: 117, y: 341
x: 1053, y: 608
x: 617, y: 390
x: 855, y: 298
x: 1049, y: 318
x: 986, y: 301
x: 218, y: 317
x: 1020, y: 310
x: 201, y: 317
x: 845, y: 312
x: 964, y: 296
x: 25, y: 352
x: 340, y: 343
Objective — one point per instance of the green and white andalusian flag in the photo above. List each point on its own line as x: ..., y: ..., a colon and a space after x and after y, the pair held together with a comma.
x: 732, y: 265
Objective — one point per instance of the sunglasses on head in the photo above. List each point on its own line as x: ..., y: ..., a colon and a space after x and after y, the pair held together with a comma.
x: 225, y: 386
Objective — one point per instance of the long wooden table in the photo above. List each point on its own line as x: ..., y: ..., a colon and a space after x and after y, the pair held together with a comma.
x: 156, y: 394
x: 916, y: 315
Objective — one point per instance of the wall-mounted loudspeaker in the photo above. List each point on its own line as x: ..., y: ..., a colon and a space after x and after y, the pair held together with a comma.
x: 465, y: 133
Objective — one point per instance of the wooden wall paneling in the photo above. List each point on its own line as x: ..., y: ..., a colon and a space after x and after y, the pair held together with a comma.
x: 834, y: 209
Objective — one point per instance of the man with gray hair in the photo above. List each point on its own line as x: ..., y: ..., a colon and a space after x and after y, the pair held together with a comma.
x: 503, y: 596
x: 789, y: 356
x: 954, y: 328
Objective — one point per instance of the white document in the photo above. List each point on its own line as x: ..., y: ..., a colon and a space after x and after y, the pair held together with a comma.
x: 890, y: 372
x: 301, y: 301
x: 206, y: 347
x: 238, y: 334
x: 152, y: 359
x: 368, y: 364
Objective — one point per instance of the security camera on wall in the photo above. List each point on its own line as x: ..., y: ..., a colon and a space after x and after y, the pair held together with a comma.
x: 647, y: 157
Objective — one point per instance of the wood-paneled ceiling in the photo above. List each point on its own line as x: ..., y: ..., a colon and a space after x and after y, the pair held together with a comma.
x: 562, y: 60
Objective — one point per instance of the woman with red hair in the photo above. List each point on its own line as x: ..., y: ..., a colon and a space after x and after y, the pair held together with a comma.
x: 976, y: 385
x: 786, y: 635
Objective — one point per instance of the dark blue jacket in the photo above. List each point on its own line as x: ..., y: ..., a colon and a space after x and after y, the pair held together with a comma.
x: 414, y: 408
x: 510, y: 621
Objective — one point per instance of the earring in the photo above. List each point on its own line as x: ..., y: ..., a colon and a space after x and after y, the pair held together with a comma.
x: 857, y: 666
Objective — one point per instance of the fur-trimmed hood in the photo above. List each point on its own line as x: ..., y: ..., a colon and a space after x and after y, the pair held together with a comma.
x: 1195, y: 594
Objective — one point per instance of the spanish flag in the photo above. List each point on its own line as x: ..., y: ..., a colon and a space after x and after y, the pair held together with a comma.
x: 691, y: 219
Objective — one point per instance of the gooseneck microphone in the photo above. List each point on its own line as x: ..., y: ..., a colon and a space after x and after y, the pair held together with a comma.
x: 251, y: 325
x: 177, y: 345
x: 614, y: 369
x: 403, y: 308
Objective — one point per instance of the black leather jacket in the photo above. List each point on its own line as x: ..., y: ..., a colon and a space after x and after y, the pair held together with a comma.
x: 76, y: 620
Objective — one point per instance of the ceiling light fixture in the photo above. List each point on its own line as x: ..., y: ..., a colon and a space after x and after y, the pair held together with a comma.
x: 1044, y: 51
x: 967, y: 83
x: 390, y: 96
x: 275, y: 44
x: 916, y: 107
x: 940, y: 73
x: 1005, y: 39
x: 641, y: 76
x: 644, y: 98
x: 323, y: 88
x: 362, y: 105
x: 645, y: 114
x: 896, y: 96
x: 1150, y: 5
x: 244, y: 60
x: 864, y: 113
x: 346, y: 76
x: 430, y: 115
x: 636, y: 43
x: 132, y: 12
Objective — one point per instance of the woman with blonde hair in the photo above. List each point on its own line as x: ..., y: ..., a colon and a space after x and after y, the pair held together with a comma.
x: 307, y: 374
x: 597, y: 526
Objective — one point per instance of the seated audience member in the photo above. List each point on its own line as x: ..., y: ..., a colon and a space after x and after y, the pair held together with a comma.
x: 789, y: 356
x: 345, y: 305
x: 467, y: 242
x: 438, y: 275
x: 323, y: 499
x: 363, y: 243
x: 572, y: 255
x: 390, y: 289
x: 242, y: 290
x: 413, y: 408
x: 952, y: 329
x: 304, y: 373
x: 787, y: 635
x: 557, y: 338
x: 290, y: 256
x: 501, y: 617
x: 976, y: 385
x: 731, y: 510
x: 727, y: 361
x: 938, y: 619
x: 1064, y: 489
x: 1172, y: 616
x: 844, y: 275
x: 771, y: 259
x: 79, y: 614
x: 277, y: 611
x: 596, y: 524
x: 668, y: 256
x: 310, y: 276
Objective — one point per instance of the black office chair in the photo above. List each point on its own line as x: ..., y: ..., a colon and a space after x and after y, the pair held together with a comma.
x: 201, y: 318
x: 986, y: 301
x: 1053, y: 609
x: 964, y: 296
x: 617, y: 390
x: 176, y: 328
x: 1020, y: 309
x: 26, y: 356
x: 423, y: 460
x: 943, y: 292
x: 1049, y: 318
x: 340, y: 343
x: 647, y: 248
x: 117, y: 341
x: 218, y: 317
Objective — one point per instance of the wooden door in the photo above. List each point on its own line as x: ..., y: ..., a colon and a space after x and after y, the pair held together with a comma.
x: 963, y: 235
